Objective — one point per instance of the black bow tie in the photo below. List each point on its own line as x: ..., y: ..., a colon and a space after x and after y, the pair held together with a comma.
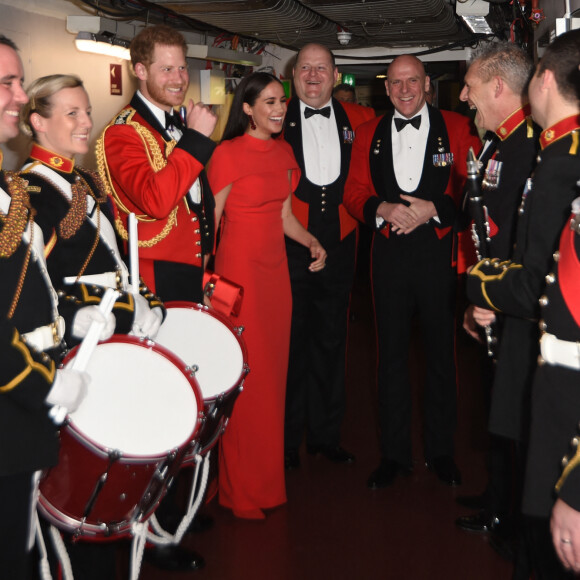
x: 173, y: 120
x: 400, y: 123
x: 325, y: 112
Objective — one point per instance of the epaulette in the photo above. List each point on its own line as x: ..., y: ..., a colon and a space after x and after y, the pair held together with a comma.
x: 123, y: 117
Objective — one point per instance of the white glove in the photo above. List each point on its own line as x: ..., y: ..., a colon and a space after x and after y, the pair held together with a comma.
x: 84, y: 318
x: 146, y: 321
x: 69, y: 389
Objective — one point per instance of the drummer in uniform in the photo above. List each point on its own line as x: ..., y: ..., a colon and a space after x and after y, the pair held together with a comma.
x: 71, y: 208
x: 30, y: 339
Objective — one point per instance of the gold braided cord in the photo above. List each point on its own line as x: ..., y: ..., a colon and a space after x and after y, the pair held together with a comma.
x: 15, y: 222
x: 171, y: 222
x: 20, y: 214
x: 157, y: 161
x: 75, y: 217
x: 85, y: 186
x: 22, y: 276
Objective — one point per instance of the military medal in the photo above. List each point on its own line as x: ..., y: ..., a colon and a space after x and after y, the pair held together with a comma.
x: 442, y: 159
x: 492, y: 174
x: 347, y: 135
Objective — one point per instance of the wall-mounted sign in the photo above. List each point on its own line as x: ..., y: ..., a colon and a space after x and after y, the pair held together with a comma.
x: 116, y: 74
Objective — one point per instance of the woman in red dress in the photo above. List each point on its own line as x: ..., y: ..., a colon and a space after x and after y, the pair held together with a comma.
x: 252, y: 176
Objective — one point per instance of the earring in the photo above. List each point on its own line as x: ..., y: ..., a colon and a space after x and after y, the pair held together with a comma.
x: 252, y: 124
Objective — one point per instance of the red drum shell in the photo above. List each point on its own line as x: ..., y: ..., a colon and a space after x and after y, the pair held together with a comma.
x: 141, y: 417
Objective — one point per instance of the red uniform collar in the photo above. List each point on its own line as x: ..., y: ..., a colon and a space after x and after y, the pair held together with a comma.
x: 559, y: 130
x: 509, y: 125
x: 51, y: 159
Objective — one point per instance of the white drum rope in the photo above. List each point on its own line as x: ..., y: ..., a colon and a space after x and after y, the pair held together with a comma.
x: 43, y: 564
x: 159, y: 535
x: 61, y: 553
x: 137, y: 548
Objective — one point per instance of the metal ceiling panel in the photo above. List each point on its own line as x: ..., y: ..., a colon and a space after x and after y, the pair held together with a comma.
x: 392, y: 22
x: 294, y: 23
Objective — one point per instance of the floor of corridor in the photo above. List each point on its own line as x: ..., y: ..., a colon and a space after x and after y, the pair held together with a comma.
x: 333, y: 526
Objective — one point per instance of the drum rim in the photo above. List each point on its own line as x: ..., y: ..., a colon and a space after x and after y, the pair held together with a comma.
x: 165, y: 352
x: 226, y: 322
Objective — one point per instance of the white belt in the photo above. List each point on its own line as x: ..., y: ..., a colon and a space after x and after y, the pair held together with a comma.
x: 45, y: 337
x: 563, y: 353
x: 106, y: 279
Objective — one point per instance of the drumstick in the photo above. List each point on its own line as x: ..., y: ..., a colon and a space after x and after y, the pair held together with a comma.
x: 58, y: 413
x: 133, y: 253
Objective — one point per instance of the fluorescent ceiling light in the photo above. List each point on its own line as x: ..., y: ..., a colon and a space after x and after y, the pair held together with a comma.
x: 102, y: 44
x: 204, y: 52
x: 477, y: 24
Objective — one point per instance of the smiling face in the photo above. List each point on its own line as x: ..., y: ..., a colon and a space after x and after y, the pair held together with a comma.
x: 12, y: 95
x: 314, y: 76
x: 407, y: 84
x: 479, y: 95
x: 268, y: 111
x: 67, y: 130
x: 164, y: 82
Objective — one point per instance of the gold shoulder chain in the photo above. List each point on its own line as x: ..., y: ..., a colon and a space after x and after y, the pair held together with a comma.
x: 157, y: 161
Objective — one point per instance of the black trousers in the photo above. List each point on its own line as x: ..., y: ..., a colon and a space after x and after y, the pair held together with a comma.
x: 15, y: 512
x: 315, y: 390
x: 414, y: 278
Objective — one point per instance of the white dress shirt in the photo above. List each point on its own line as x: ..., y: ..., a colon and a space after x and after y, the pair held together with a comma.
x: 321, y: 143
x: 409, y: 146
x: 195, y: 190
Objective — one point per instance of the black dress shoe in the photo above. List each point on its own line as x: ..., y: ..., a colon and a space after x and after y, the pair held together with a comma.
x: 504, y: 540
x: 173, y: 558
x: 473, y: 502
x: 335, y: 454
x: 481, y: 522
x: 291, y: 460
x: 385, y: 473
x: 445, y: 469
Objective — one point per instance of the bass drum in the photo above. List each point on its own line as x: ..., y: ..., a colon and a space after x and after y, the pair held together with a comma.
x: 124, y: 444
x: 210, y: 345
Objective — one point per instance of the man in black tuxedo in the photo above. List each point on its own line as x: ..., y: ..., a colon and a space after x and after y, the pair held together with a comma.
x: 320, y: 131
x: 407, y: 174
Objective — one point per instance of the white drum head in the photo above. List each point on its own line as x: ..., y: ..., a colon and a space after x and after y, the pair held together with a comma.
x: 200, y: 339
x: 138, y: 402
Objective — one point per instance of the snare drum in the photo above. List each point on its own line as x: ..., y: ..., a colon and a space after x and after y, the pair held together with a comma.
x: 210, y: 345
x: 124, y: 444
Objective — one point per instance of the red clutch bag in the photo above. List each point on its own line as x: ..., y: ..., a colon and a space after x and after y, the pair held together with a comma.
x: 226, y: 296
